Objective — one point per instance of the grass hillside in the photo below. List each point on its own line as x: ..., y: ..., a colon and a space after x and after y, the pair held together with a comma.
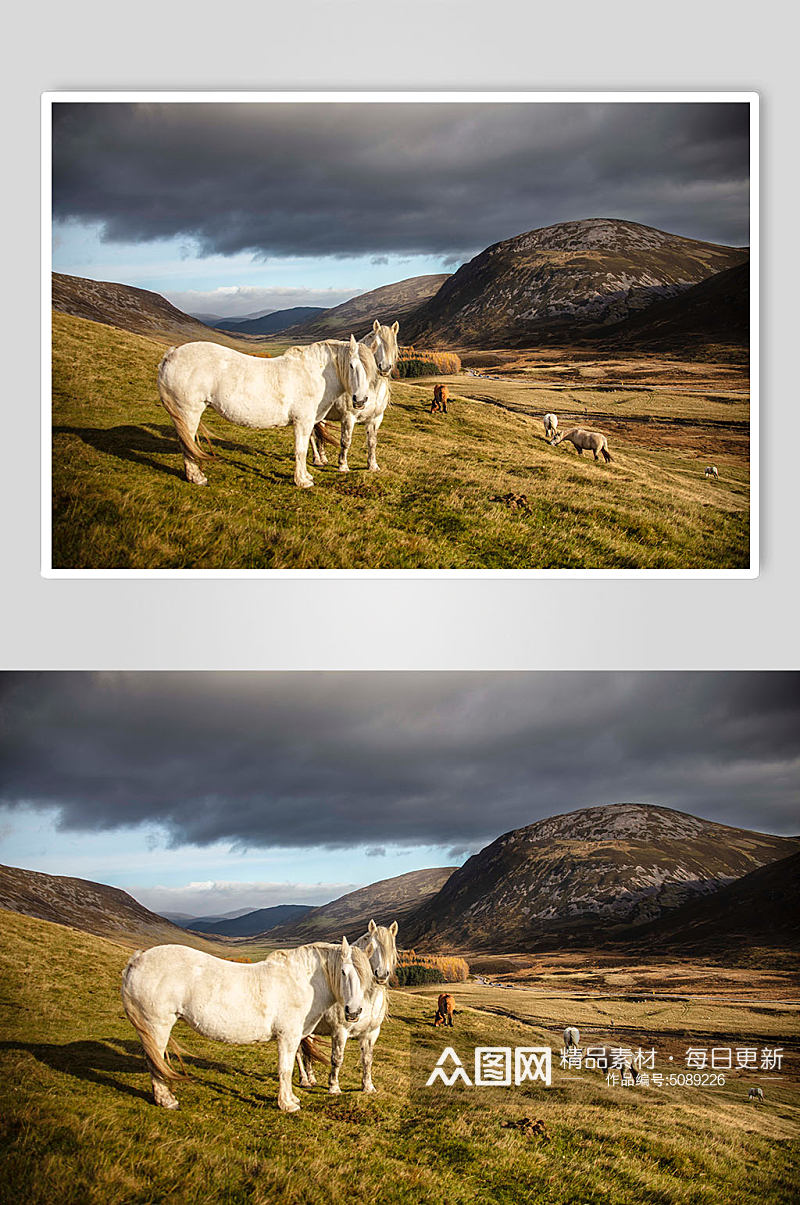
x: 448, y: 495
x: 78, y: 1126
x: 388, y: 304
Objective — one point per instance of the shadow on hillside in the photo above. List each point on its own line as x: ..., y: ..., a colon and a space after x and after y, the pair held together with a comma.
x: 102, y: 1062
x: 139, y: 445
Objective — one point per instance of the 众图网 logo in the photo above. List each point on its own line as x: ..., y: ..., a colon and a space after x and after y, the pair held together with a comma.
x: 494, y: 1067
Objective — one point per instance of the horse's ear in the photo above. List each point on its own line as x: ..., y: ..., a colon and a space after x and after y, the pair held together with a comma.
x: 371, y: 927
x: 395, y: 327
x: 393, y: 928
x: 376, y: 326
x: 346, y: 951
x: 353, y: 343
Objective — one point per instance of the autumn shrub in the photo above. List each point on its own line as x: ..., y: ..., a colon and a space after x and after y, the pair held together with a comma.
x: 413, y: 363
x: 413, y: 969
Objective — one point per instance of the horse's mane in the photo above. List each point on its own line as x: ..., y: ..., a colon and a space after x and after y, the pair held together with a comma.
x: 332, y: 962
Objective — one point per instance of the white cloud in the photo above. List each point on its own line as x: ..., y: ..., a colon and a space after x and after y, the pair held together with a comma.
x: 212, y: 897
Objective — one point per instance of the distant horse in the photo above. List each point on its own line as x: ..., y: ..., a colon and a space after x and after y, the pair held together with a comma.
x: 445, y: 1009
x: 383, y: 960
x: 550, y: 426
x: 282, y: 997
x: 439, y: 399
x: 571, y: 1037
x: 711, y: 470
x: 756, y: 1094
x: 297, y: 388
x: 382, y: 342
x: 585, y: 441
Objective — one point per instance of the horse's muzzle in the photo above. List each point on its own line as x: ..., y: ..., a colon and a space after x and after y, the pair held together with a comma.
x: 351, y: 1014
x: 381, y: 979
x: 357, y: 405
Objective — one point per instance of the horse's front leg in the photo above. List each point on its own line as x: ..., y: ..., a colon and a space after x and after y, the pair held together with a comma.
x: 367, y: 1046
x: 348, y: 423
x: 302, y: 435
x: 372, y: 443
x: 287, y: 1050
x: 338, y: 1043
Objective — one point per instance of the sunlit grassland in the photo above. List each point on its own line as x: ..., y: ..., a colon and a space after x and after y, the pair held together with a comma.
x: 78, y: 1126
x: 119, y: 500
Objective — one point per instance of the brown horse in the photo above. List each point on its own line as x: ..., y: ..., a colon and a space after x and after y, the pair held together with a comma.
x: 439, y: 399
x: 445, y: 1008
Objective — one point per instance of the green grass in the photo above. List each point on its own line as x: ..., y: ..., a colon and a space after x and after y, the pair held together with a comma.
x: 78, y: 1126
x: 119, y: 499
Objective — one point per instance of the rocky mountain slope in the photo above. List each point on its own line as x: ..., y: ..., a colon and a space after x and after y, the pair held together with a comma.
x: 760, y: 909
x: 390, y: 303
x: 383, y: 902
x: 136, y: 310
x: 82, y: 904
x: 259, y: 921
x: 578, y: 876
x: 562, y: 279
x: 715, y: 312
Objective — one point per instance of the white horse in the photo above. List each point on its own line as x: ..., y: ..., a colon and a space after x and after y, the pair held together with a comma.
x: 383, y: 960
x: 711, y: 471
x: 282, y: 997
x: 382, y: 342
x: 585, y: 441
x: 756, y: 1094
x: 572, y: 1037
x: 550, y: 425
x: 297, y: 388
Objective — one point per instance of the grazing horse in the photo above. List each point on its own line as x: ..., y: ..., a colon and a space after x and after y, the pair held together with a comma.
x: 756, y: 1094
x: 445, y: 1009
x: 282, y: 997
x: 382, y: 342
x: 550, y: 426
x: 711, y: 470
x: 585, y: 441
x: 380, y: 941
x: 572, y: 1037
x: 297, y: 388
x: 439, y: 399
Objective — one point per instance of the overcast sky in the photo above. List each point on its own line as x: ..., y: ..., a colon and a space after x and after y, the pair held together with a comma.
x: 230, y: 208
x: 208, y: 792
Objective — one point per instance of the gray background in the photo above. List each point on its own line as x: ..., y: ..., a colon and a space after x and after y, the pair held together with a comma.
x: 400, y: 623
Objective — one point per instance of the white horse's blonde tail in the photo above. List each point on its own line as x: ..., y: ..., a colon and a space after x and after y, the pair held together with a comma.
x: 313, y: 1051
x: 154, y: 1056
x: 189, y: 444
x: 321, y: 431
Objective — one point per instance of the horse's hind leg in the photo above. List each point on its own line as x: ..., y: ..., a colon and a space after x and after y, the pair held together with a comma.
x: 318, y: 450
x: 348, y: 423
x: 287, y: 1052
x: 307, y: 1077
x: 162, y: 1093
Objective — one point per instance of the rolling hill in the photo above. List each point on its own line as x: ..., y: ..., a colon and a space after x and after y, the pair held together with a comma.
x: 555, y: 282
x: 383, y: 902
x: 577, y: 877
x: 82, y: 904
x: 272, y: 323
x: 760, y: 909
x: 390, y: 303
x: 715, y: 312
x: 262, y: 920
x: 136, y: 310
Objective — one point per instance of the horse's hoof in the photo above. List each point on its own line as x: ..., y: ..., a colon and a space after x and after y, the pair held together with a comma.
x: 374, y: 468
x: 343, y: 468
x: 337, y: 1091
x: 370, y: 1088
x: 292, y: 1106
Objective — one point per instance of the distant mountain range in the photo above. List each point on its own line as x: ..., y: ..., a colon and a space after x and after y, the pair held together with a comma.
x: 262, y: 920
x: 390, y: 303
x: 272, y: 323
x: 576, y: 878
x: 562, y: 280
x: 383, y: 902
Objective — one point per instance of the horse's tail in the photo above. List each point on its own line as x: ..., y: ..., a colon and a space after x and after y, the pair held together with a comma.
x: 189, y: 444
x: 606, y: 454
x: 154, y: 1056
x: 313, y: 1051
x: 321, y: 431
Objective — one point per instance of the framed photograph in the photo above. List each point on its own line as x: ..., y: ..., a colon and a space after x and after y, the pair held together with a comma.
x: 472, y: 334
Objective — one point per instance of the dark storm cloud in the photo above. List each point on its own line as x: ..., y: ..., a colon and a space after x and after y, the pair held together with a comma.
x: 380, y: 759
x: 446, y: 179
